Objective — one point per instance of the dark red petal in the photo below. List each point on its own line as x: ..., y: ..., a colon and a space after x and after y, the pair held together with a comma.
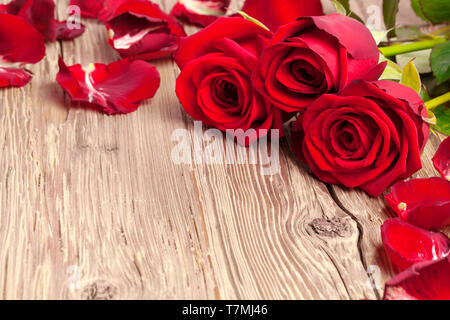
x: 14, y: 77
x: 19, y: 41
x: 407, y: 244
x: 441, y: 160
x: 422, y: 202
x: 275, y: 13
x: 89, y: 8
x: 139, y: 29
x: 200, y: 12
x: 115, y: 88
x: 63, y: 32
x: 428, y: 280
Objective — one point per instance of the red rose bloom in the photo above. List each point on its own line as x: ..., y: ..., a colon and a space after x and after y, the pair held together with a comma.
x: 200, y: 12
x: 139, y: 29
x: 370, y: 135
x: 20, y: 43
x: 215, y: 81
x: 313, y: 56
x: 275, y: 13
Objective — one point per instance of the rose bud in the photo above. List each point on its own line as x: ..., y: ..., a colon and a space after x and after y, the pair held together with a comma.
x: 118, y: 87
x: 369, y: 136
x: 275, y: 13
x: 139, y: 29
x: 422, y: 202
x: 313, y: 56
x: 40, y: 14
x: 20, y: 43
x: 441, y: 160
x: 200, y: 12
x: 215, y: 82
x: 407, y: 244
x: 429, y: 280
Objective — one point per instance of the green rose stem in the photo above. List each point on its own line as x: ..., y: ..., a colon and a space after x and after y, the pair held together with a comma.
x: 411, y: 47
x: 436, y: 102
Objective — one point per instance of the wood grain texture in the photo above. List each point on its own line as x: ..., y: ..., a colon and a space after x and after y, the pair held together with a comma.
x: 89, y: 195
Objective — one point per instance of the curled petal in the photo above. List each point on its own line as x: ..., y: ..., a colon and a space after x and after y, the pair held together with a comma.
x: 139, y: 29
x: 422, y: 202
x: 441, y: 160
x: 115, y: 88
x: 65, y: 32
x: 14, y: 77
x: 275, y: 13
x: 200, y: 12
x: 428, y: 280
x: 407, y: 244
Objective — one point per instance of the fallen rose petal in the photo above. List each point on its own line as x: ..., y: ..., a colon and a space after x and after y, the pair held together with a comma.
x: 40, y: 14
x: 13, y: 77
x: 139, y: 29
x: 441, y: 160
x: 97, y: 9
x: 422, y: 202
x: 275, y: 13
x: 115, y: 88
x: 20, y: 43
x: 428, y: 280
x: 63, y: 32
x: 200, y: 12
x: 407, y: 244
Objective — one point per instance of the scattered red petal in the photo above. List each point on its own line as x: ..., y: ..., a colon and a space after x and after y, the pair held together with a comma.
x: 63, y: 32
x: 441, y: 160
x: 200, y: 12
x: 20, y: 43
x: 115, y: 88
x: 14, y: 77
x: 407, y: 244
x: 40, y: 14
x: 422, y: 202
x: 97, y: 9
x: 428, y: 280
x: 275, y: 13
x: 139, y: 29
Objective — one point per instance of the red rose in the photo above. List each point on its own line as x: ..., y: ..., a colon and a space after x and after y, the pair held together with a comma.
x: 313, y: 56
x: 215, y: 81
x: 369, y: 136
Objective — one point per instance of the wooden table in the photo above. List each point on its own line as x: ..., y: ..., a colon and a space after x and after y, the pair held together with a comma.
x: 92, y: 207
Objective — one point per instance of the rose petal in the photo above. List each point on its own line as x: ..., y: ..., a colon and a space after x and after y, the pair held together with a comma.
x: 441, y: 160
x: 115, y: 88
x: 14, y: 77
x: 97, y: 9
x: 275, y: 13
x: 19, y: 41
x: 428, y: 280
x: 422, y: 202
x: 140, y: 30
x: 200, y: 12
x: 407, y: 244
x: 64, y: 32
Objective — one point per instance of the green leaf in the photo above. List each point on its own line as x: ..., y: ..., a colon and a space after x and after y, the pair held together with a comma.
x: 435, y: 11
x: 421, y: 60
x: 259, y: 23
x: 440, y: 62
x: 346, y: 5
x: 340, y: 7
x: 442, y: 114
x: 411, y: 77
x: 390, y: 10
x: 392, y: 71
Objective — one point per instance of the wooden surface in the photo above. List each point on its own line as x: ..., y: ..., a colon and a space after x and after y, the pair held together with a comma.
x: 92, y: 207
